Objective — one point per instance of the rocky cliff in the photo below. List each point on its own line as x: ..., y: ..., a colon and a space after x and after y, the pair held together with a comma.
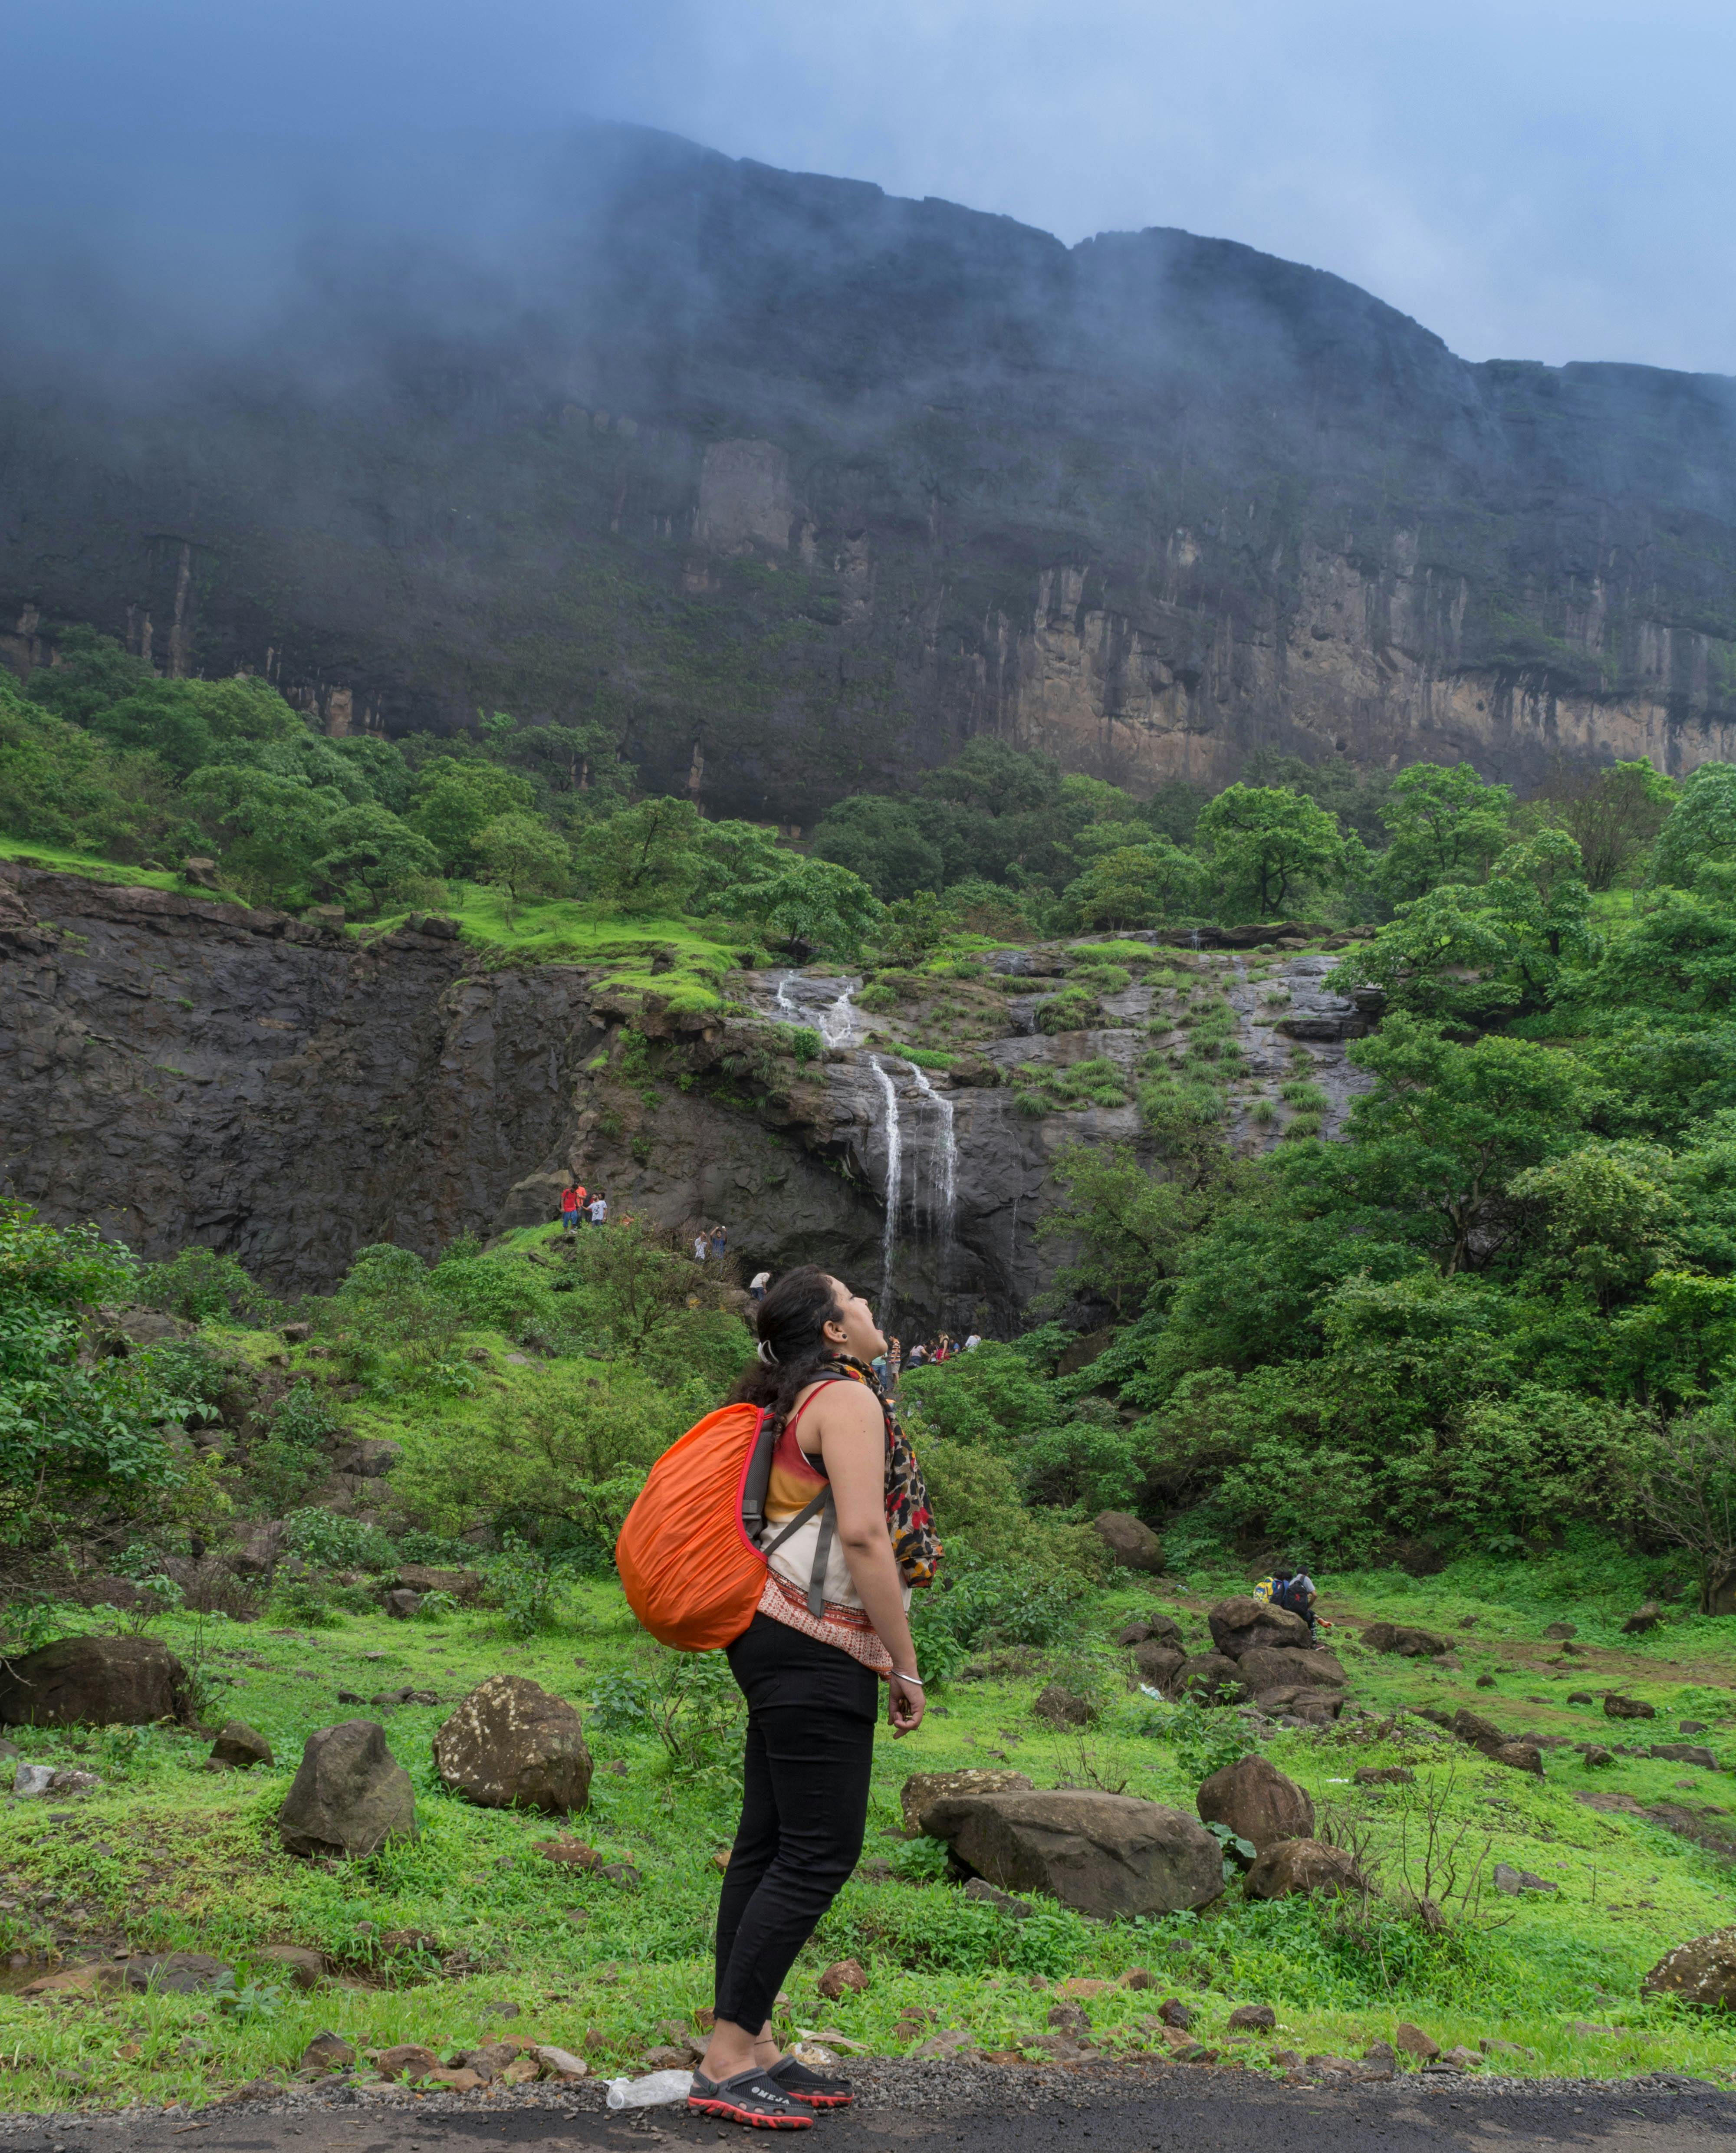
x: 182, y: 1071
x: 797, y: 486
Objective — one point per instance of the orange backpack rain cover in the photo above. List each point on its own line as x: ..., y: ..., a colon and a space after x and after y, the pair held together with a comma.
x: 693, y: 1577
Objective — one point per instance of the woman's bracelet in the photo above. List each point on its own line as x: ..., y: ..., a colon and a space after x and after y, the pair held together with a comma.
x: 916, y: 1679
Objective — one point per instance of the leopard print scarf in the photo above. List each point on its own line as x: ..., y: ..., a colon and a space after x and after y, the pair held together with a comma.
x: 909, y: 1518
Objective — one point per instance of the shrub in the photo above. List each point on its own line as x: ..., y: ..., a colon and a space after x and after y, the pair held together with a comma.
x: 200, y: 1283
x: 1074, y: 1009
x: 337, y: 1543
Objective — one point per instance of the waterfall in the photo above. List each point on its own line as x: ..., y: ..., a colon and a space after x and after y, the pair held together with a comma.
x: 894, y: 1165
x: 795, y: 1000
x: 944, y: 1171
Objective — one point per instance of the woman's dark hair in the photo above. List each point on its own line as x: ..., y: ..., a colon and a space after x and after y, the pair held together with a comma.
x: 790, y: 1323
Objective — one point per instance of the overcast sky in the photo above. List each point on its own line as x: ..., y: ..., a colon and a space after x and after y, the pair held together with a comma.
x: 1529, y: 179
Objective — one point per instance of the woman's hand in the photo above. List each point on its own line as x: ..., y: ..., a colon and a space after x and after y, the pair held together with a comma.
x: 904, y: 1704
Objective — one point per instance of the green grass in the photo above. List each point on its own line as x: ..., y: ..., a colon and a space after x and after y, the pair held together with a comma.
x: 62, y: 861
x: 168, y: 1857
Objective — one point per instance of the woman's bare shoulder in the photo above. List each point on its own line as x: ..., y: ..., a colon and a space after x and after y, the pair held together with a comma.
x: 847, y: 1409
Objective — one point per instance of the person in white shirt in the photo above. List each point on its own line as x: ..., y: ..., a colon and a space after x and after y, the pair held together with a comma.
x: 757, y: 1283
x: 973, y: 1342
x: 599, y: 1210
x: 701, y: 1246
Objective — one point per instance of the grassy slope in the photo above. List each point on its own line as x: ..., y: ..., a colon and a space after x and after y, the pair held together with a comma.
x: 168, y: 1857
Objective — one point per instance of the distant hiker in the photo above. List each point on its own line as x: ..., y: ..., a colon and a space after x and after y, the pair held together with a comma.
x: 571, y: 1199
x: 894, y: 1362
x: 701, y: 1246
x: 719, y: 1243
x: 599, y: 1208
x: 847, y: 1533
x: 918, y: 1354
x: 973, y: 1342
x: 757, y: 1283
x: 1292, y: 1590
x: 943, y: 1349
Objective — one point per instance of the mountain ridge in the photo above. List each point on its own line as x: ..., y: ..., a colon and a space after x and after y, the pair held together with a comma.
x: 800, y: 484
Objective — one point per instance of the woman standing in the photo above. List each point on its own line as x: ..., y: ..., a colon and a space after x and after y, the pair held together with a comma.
x: 847, y: 1534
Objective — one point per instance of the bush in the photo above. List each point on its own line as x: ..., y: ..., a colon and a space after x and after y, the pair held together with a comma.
x: 200, y: 1283
x: 336, y: 1543
x: 1073, y: 1009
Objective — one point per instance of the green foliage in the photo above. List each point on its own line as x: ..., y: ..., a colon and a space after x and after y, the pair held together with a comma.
x: 811, y: 901
x: 199, y: 1283
x: 1074, y: 1009
x: 1444, y: 826
x: 529, y: 1587
x: 332, y: 1542
x: 522, y: 855
x: 644, y: 860
x: 1701, y: 829
x: 1612, y: 815
x: 1137, y: 886
x: 1263, y: 845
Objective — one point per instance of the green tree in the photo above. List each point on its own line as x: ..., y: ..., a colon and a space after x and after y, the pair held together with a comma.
x: 1442, y: 1138
x: 1445, y: 825
x: 455, y: 799
x: 813, y: 902
x: 1130, y: 1228
x: 1447, y: 956
x: 1263, y: 844
x: 521, y: 855
x: 881, y: 843
x: 1136, y: 886
x: 645, y: 859
x: 1612, y: 814
x: 367, y: 852
x: 1702, y: 828
x: 269, y: 830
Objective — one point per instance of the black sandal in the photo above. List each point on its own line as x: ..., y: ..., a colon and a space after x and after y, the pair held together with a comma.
x: 752, y: 2097
x: 809, y: 2087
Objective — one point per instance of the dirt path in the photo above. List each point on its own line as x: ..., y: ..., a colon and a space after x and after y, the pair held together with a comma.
x: 1175, y: 2115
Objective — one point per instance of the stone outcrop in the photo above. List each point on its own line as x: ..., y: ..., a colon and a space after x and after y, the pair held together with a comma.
x: 1257, y: 1802
x: 1407, y: 1643
x: 1107, y: 1855
x: 239, y: 1747
x: 94, y: 1681
x: 350, y: 1796
x: 511, y: 1745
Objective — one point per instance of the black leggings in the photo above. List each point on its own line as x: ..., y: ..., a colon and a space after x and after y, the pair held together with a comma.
x: 811, y: 1714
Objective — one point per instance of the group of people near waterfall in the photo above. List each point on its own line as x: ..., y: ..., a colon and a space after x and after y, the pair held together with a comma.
x: 579, y: 1206
x: 710, y: 1245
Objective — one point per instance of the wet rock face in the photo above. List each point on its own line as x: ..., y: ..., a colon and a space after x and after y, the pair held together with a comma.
x: 184, y: 1070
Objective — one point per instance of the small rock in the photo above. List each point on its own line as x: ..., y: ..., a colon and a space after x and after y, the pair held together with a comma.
x: 1580, y: 1696
x: 1069, y: 2018
x: 1407, y: 1643
x: 1641, y: 1620
x: 176, y: 1973
x: 622, y: 1873
x: 1491, y: 2047
x: 1412, y: 2041
x: 1383, y: 1775
x: 328, y: 2052
x: 845, y: 1975
x: 1685, y: 1753
x: 571, y: 1853
x: 665, y: 2059
x: 1063, y: 1707
x: 402, y: 1605
x: 1512, y: 1881
x: 945, y: 2044
x: 1081, y: 1985
x: 560, y: 2062
x: 1485, y: 1681
x: 31, y: 1780
x: 1138, y: 1977
x: 980, y: 1888
x: 1175, y: 2013
x: 239, y: 1747
x: 1693, y: 1727
x: 1253, y: 2018
x: 1378, y: 2052
x: 304, y: 1969
x: 460, y: 2079
x: 497, y: 2006
x: 1561, y: 1629
x: 1461, y: 2058
x: 1616, y: 1707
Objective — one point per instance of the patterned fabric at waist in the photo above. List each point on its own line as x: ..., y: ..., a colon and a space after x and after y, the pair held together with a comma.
x: 848, y: 1628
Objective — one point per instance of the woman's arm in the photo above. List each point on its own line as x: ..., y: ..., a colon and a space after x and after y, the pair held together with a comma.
x: 853, y: 1445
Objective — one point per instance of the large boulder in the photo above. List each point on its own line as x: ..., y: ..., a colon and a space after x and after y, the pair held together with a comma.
x: 1134, y: 1546
x: 1241, y: 1622
x: 511, y: 1745
x: 1407, y: 1643
x: 1302, y: 1865
x: 94, y: 1681
x: 1158, y: 1664
x: 1298, y: 1700
x: 1702, y: 1972
x: 1268, y: 1667
x: 1107, y: 1855
x: 350, y: 1796
x: 260, y: 1551
x: 1211, y: 1677
x: 1257, y: 1802
x: 1153, y: 1629
x: 922, y: 1789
